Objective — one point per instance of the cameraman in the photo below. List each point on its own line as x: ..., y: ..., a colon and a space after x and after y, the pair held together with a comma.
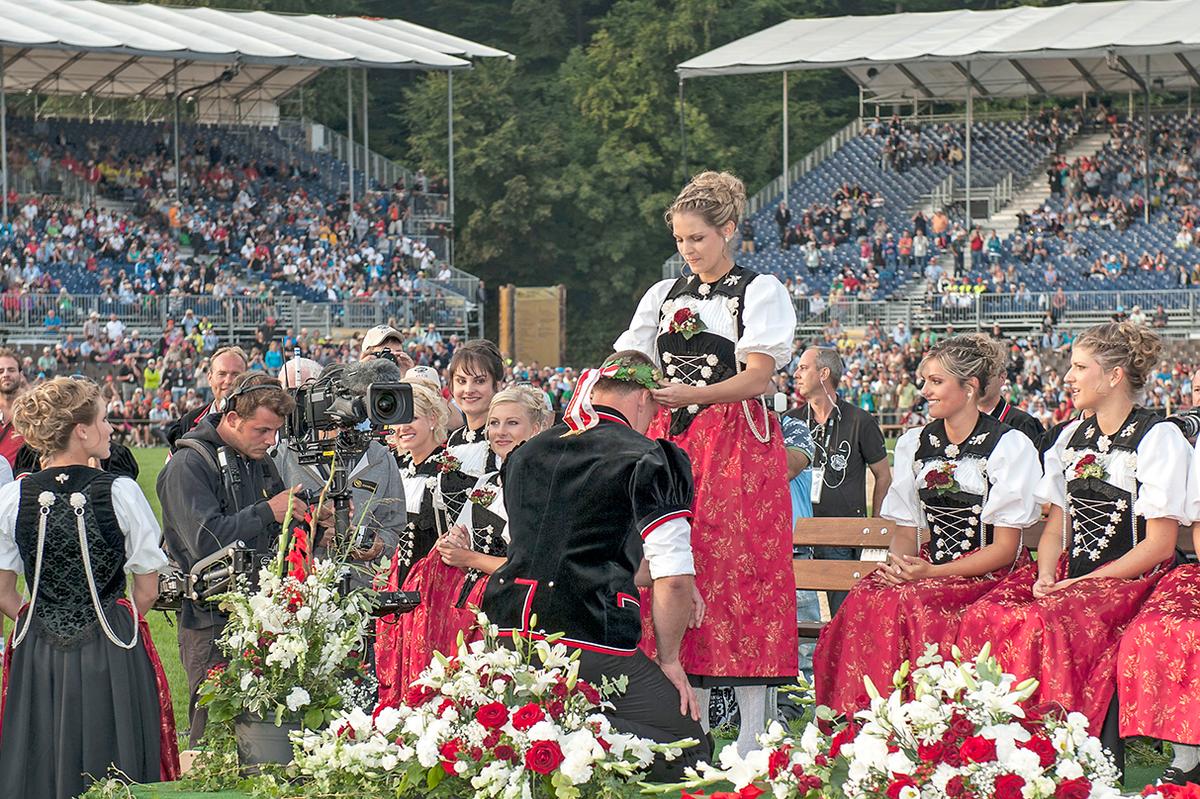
x: 376, y: 492
x: 217, y: 489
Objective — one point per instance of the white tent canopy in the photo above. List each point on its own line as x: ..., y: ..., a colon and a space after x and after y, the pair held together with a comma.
x: 1016, y: 52
x: 110, y: 50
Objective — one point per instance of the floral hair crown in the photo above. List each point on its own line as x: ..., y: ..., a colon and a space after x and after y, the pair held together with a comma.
x: 645, y: 375
x: 580, y: 415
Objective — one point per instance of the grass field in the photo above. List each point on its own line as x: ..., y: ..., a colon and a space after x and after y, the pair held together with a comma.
x: 162, y: 625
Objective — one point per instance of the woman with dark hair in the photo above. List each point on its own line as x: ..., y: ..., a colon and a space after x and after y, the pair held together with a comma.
x: 84, y: 688
x: 476, y: 371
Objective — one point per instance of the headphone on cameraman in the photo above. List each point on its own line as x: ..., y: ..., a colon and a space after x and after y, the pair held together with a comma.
x: 227, y: 403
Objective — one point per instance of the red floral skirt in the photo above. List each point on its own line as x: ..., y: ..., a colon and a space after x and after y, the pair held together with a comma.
x: 881, y: 625
x: 433, y: 626
x: 1068, y: 640
x: 742, y: 545
x: 1158, y: 664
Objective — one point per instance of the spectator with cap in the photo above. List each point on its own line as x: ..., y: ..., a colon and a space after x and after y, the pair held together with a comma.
x: 386, y: 337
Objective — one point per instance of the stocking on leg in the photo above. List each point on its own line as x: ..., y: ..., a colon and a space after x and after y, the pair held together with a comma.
x: 752, y: 706
x: 1186, y: 757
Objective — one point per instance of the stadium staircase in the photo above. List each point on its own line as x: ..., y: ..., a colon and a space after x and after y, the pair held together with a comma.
x: 1037, y: 190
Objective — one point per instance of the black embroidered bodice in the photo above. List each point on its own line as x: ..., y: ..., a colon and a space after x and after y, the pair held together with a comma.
x: 444, y: 491
x: 487, y: 529
x: 954, y: 515
x: 466, y: 435
x: 702, y: 358
x: 1102, y: 525
x: 63, y: 608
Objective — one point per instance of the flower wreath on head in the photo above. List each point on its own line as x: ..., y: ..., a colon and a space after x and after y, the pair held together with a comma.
x: 580, y: 415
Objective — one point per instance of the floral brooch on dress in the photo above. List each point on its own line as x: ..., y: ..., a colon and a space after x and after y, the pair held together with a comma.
x: 686, y: 323
x: 1090, y: 466
x: 447, y: 463
x: 941, y: 479
x: 483, y: 496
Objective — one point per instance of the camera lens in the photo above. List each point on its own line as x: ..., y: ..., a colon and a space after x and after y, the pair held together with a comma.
x: 386, y: 404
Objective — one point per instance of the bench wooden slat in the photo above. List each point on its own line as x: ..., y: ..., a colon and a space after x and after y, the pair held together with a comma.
x: 839, y: 532
x: 830, y: 575
x: 810, y: 629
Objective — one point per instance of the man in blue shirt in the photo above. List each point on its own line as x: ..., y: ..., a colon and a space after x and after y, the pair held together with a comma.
x: 797, y: 440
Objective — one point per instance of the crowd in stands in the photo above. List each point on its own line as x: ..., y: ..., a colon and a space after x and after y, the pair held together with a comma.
x: 246, y: 224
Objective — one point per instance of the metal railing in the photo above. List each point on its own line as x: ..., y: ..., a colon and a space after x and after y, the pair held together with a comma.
x: 767, y: 194
x: 23, y: 318
x: 1020, y: 312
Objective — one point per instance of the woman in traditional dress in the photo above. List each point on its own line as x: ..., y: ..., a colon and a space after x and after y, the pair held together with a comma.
x: 1158, y: 663
x: 452, y: 577
x: 84, y: 688
x: 435, y: 492
x: 962, y: 492
x: 719, y: 335
x: 1116, y: 483
x: 476, y: 372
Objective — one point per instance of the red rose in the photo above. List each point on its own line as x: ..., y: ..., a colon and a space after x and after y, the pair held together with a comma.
x: 937, y: 479
x: 841, y: 739
x: 543, y: 757
x: 556, y: 709
x: 1079, y: 788
x: 589, y: 691
x: 491, y: 739
x: 449, y: 753
x: 682, y: 316
x: 1086, y: 460
x: 527, y: 716
x: 978, y: 749
x: 418, y: 695
x: 504, y: 752
x: 1008, y: 786
x: 492, y: 715
x: 955, y: 787
x: 559, y: 689
x: 898, y: 784
x: 1043, y: 748
x: 932, y: 753
x: 961, y: 726
x: 777, y: 760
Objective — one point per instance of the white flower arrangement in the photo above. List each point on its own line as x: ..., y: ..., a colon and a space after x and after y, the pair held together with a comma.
x: 948, y: 730
x: 295, y: 649
x: 489, y: 721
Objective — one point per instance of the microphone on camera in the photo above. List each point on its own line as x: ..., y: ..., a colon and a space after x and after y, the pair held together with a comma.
x: 360, y: 376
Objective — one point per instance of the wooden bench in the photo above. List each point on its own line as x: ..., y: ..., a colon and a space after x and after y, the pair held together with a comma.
x: 873, y: 536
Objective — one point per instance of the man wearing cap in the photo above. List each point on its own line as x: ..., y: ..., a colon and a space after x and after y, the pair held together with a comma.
x: 587, y: 501
x: 386, y: 337
x: 224, y: 368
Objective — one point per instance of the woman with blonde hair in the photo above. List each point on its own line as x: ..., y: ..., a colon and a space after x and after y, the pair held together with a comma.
x: 435, y: 492
x: 1116, y: 483
x: 719, y: 335
x: 453, y: 576
x: 961, y: 494
x: 84, y: 688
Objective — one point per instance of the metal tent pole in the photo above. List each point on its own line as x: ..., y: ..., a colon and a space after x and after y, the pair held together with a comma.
x: 786, y: 179
x: 450, y: 145
x: 682, y: 134
x: 967, y: 176
x: 366, y: 139
x: 350, y: 136
x: 1146, y: 145
x: 3, y: 139
x: 175, y: 135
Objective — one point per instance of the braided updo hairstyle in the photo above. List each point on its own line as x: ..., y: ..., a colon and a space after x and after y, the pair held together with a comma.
x: 718, y: 197
x: 1134, y: 348
x: 966, y: 356
x: 530, y: 400
x: 46, y: 415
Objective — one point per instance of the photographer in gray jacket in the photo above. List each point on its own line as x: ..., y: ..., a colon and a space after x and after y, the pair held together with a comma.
x: 377, y: 494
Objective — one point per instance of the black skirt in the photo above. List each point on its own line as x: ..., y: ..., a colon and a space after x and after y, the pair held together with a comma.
x: 71, y: 713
